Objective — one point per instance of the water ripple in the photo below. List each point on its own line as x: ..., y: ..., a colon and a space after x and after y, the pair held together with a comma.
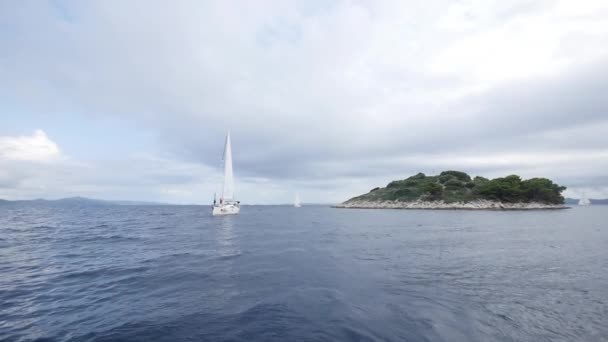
x: 316, y: 274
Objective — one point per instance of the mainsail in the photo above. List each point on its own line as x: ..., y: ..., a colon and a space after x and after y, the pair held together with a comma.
x: 228, y: 189
x: 296, y: 202
x: 584, y: 201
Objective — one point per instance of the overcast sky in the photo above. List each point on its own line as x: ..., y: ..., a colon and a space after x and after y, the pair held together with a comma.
x: 131, y: 99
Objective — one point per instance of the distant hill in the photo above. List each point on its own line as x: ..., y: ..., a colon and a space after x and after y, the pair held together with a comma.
x: 77, y: 201
x: 574, y: 201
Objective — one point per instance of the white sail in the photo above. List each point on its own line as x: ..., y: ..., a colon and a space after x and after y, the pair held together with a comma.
x: 584, y: 200
x: 296, y: 201
x: 227, y: 205
x: 228, y: 189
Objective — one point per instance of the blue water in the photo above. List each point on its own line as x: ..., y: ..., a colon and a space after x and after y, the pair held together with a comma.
x: 174, y: 273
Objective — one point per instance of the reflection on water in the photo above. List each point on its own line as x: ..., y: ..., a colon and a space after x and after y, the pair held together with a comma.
x: 227, y: 244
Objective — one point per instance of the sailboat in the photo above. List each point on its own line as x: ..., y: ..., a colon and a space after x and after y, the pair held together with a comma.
x: 296, y: 201
x: 584, y: 200
x: 227, y: 205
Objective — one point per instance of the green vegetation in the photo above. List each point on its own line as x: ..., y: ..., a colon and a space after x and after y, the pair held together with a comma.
x: 457, y: 186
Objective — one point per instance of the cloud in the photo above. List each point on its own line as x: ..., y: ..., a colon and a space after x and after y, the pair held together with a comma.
x: 21, y: 156
x: 37, y: 147
x: 32, y: 166
x: 333, y: 97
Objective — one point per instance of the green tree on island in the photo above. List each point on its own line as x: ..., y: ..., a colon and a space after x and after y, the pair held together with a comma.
x: 457, y: 186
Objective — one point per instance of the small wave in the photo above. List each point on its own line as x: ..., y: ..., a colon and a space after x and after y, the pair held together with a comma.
x: 114, y: 238
x: 69, y: 255
x: 172, y: 257
x: 120, y: 237
x: 44, y: 227
x: 102, y: 272
x: 228, y: 256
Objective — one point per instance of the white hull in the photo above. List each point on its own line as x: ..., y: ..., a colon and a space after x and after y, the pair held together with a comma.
x: 226, y: 209
x: 297, y: 205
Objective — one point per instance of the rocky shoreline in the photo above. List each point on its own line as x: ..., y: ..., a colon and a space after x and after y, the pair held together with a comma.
x: 439, y: 205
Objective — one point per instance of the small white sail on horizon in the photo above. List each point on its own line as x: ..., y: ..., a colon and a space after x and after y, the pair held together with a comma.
x: 584, y: 201
x: 296, y: 201
x: 227, y: 204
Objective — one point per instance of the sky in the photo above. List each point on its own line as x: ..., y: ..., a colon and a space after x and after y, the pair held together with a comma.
x: 131, y: 100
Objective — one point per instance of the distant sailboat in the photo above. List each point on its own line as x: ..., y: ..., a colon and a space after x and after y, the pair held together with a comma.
x: 584, y: 200
x: 296, y: 201
x: 227, y: 204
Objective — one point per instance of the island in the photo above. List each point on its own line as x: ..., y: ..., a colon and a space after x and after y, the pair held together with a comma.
x: 457, y: 190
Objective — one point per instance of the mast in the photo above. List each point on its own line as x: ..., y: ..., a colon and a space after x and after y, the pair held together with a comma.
x: 228, y: 188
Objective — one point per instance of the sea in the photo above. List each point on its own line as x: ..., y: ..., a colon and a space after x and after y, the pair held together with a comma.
x: 278, y: 273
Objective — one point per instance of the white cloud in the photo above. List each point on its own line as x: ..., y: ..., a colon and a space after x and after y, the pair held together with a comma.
x: 36, y: 147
